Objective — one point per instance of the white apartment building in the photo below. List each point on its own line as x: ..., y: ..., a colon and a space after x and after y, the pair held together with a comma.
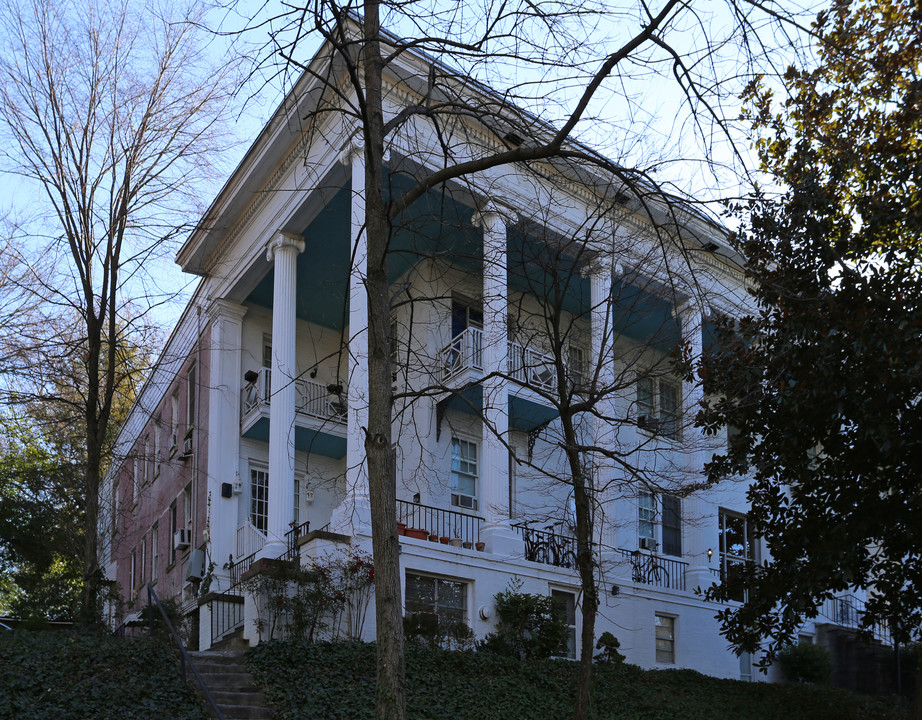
x: 249, y: 434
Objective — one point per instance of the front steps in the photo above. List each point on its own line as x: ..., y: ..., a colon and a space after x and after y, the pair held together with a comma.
x: 231, y: 685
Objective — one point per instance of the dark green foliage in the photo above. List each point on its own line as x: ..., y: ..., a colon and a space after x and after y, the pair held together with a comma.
x: 336, y: 682
x: 437, y: 631
x: 822, y: 381
x: 72, y: 676
x: 40, y: 531
x: 528, y: 626
x: 608, y: 644
x: 805, y: 662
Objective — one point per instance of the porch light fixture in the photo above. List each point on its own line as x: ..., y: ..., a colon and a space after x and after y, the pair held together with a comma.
x: 710, y: 554
x: 250, y: 376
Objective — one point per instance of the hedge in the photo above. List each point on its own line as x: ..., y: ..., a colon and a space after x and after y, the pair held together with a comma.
x: 91, y: 676
x: 336, y: 682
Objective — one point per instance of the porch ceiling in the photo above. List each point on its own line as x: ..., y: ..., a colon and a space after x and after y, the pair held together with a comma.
x: 439, y: 226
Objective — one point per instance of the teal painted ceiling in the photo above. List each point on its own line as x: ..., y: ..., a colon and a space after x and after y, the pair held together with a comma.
x: 439, y: 226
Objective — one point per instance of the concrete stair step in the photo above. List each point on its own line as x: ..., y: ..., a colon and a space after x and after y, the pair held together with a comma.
x: 231, y: 685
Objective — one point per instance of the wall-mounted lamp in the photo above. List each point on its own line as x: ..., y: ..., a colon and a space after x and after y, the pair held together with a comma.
x: 251, y: 376
x: 615, y: 590
x: 710, y: 554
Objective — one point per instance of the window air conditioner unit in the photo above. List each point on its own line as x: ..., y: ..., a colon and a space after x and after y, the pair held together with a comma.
x: 647, y: 543
x: 187, y: 446
x: 182, y: 539
x: 464, y: 501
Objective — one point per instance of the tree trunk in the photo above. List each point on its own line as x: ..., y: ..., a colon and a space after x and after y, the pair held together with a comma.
x: 391, y: 684
x: 585, y: 565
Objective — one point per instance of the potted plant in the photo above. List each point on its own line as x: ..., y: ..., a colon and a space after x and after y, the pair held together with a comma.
x: 480, y: 546
x: 401, y: 528
x: 443, y: 539
x: 456, y: 542
x: 433, y: 537
x: 417, y: 533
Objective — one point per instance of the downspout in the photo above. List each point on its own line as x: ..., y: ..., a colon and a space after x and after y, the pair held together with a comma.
x: 197, y: 428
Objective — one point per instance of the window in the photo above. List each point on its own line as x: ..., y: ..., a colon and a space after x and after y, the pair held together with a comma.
x: 464, y: 473
x: 190, y: 397
x: 658, y: 402
x: 173, y: 529
x: 133, y: 571
x: 745, y: 666
x: 187, y: 506
x: 267, y: 351
x: 464, y: 316
x: 116, y: 501
x: 143, y: 569
x: 158, y: 431
x: 568, y: 602
x: 135, y: 482
x: 665, y: 639
x: 672, y: 525
x: 577, y: 368
x: 174, y: 421
x: 738, y: 546
x: 436, y: 596
x: 148, y: 474
x: 659, y: 523
x: 154, y: 550
x: 259, y: 499
x: 646, y: 519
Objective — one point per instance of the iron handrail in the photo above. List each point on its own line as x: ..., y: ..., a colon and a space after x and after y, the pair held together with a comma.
x: 184, y: 658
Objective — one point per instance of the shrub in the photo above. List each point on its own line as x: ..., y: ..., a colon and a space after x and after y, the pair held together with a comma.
x: 530, y: 627
x: 75, y: 676
x: 806, y: 662
x: 608, y: 644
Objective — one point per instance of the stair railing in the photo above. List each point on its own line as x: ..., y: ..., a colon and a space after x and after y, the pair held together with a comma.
x: 184, y: 659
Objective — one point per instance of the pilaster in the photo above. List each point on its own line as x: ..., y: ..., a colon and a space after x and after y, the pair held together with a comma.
x: 225, y: 381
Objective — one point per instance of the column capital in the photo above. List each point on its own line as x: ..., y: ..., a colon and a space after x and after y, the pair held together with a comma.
x: 493, y: 212
x: 284, y: 240
x: 221, y: 308
x: 354, y: 149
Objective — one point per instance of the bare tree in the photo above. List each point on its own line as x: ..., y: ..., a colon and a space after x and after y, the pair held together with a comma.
x: 553, y: 68
x: 110, y: 116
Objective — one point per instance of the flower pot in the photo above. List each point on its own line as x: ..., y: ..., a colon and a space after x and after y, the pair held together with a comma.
x: 433, y: 538
x: 467, y: 544
x: 480, y: 546
x: 443, y: 539
x: 456, y: 542
x: 417, y: 533
x: 401, y: 528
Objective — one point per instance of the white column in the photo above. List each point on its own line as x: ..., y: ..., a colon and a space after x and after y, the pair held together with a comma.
x: 699, y: 522
x: 354, y: 513
x: 604, y: 423
x: 225, y: 380
x: 283, y: 252
x: 493, y: 493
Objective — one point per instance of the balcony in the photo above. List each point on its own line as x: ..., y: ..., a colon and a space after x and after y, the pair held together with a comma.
x: 547, y: 547
x: 463, y: 358
x: 438, y: 522
x: 320, y: 413
x: 655, y: 570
